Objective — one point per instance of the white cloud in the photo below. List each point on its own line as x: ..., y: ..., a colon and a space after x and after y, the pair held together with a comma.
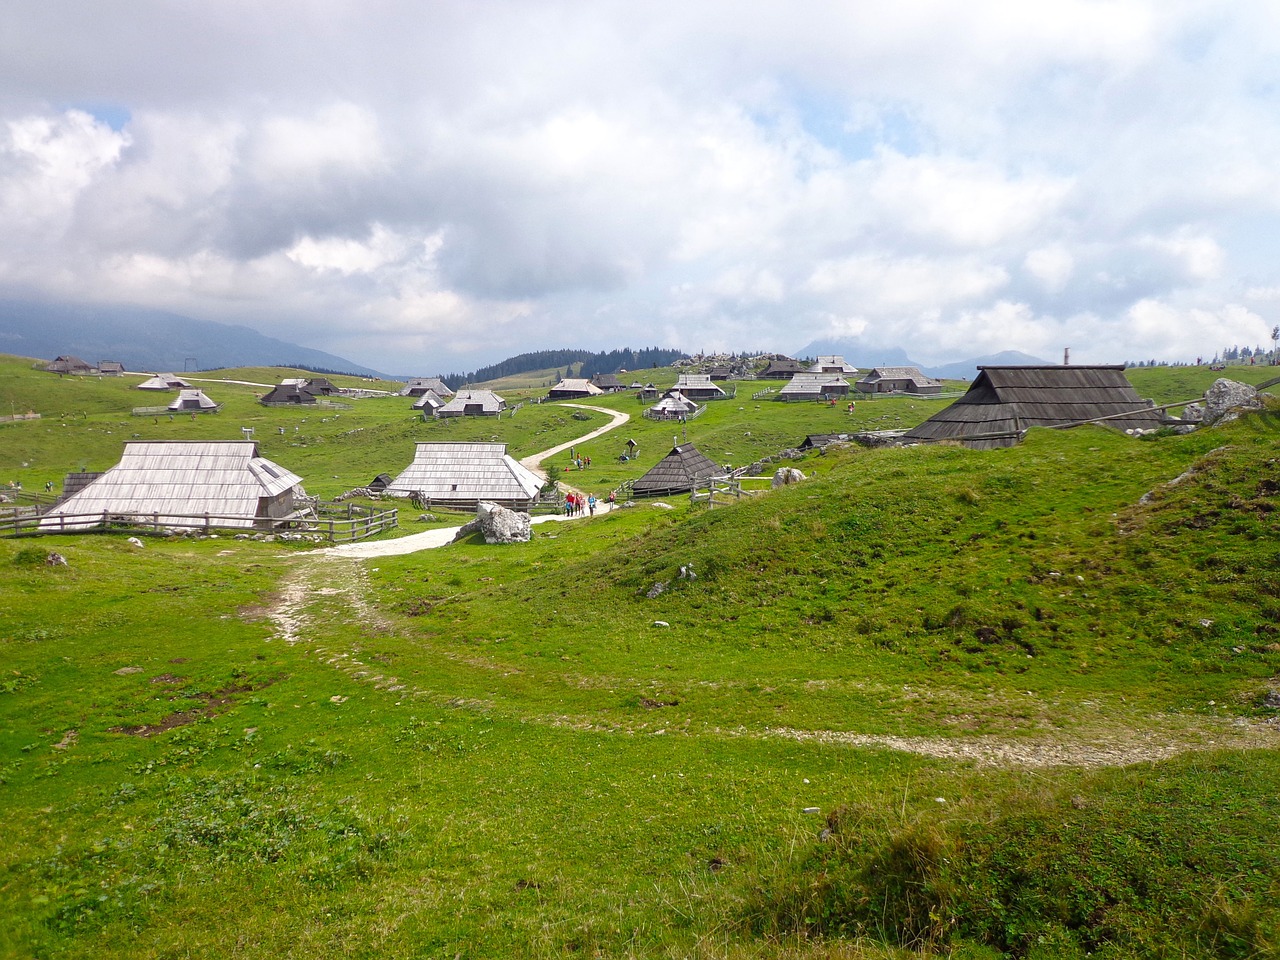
x: 404, y: 178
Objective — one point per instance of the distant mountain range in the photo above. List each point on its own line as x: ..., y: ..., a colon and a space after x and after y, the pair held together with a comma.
x: 151, y: 340
x: 864, y: 355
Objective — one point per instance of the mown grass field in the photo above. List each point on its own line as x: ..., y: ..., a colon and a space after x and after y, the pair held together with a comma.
x: 1033, y: 709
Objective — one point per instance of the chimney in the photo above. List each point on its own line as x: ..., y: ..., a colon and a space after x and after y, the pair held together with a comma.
x: 1066, y: 356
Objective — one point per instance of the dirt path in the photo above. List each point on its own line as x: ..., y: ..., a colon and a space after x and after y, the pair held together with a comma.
x: 431, y: 539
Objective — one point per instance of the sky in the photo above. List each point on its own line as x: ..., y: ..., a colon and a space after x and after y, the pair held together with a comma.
x: 430, y: 185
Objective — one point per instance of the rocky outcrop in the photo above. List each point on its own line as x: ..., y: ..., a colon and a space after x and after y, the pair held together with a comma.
x: 1227, y: 396
x: 497, y: 524
x: 785, y: 476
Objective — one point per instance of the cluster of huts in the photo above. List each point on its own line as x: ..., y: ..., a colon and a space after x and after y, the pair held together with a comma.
x: 70, y: 365
x: 170, y: 482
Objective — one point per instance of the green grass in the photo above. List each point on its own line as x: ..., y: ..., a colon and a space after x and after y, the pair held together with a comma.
x: 493, y: 751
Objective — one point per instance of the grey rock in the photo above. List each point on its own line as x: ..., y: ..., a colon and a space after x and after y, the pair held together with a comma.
x: 656, y: 590
x: 1193, y: 413
x: 785, y: 476
x: 1228, y: 395
x: 500, y: 525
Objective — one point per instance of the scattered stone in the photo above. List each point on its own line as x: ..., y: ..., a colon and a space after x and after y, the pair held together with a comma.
x: 428, y: 518
x: 812, y: 810
x: 1193, y: 413
x: 662, y: 506
x: 785, y: 476
x: 686, y: 572
x: 656, y: 590
x: 55, y: 560
x: 125, y: 671
x: 136, y: 542
x: 68, y: 739
x: 661, y: 623
x: 1271, y: 700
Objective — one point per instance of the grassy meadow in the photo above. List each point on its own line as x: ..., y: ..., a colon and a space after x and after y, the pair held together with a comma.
x: 929, y: 702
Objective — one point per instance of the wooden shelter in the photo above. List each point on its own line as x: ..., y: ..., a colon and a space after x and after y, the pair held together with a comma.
x: 678, y: 472
x: 783, y: 369
x: 473, y: 403
x: 288, y: 393
x: 574, y: 388
x: 608, y: 382
x: 897, y: 380
x: 193, y: 401
x: 462, y: 474
x: 69, y: 364
x: 674, y: 406
x: 111, y: 368
x: 832, y: 364
x: 417, y: 386
x: 698, y: 386
x: 1003, y: 402
x: 163, y: 381
x: 814, y: 386
x: 175, y: 482
x: 429, y: 403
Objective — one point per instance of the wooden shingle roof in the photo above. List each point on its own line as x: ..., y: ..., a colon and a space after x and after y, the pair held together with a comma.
x: 811, y: 385
x: 677, y: 472
x: 465, y: 473
x: 192, y: 400
x: 1003, y: 402
x: 473, y: 403
x: 182, y: 478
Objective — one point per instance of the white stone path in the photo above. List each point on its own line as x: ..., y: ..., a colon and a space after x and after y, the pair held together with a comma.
x: 431, y: 539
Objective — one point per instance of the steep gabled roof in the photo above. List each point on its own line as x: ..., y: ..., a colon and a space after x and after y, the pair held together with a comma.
x: 192, y: 400
x: 835, y: 364
x: 68, y: 363
x: 473, y: 402
x: 575, y: 386
x: 811, y: 384
x: 1002, y: 402
x: 913, y: 374
x: 673, y: 404
x: 677, y: 472
x: 466, y: 473
x: 163, y: 381
x: 182, y: 478
x: 429, y: 401
x: 420, y: 385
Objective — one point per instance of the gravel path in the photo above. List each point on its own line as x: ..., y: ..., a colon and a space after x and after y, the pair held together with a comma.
x: 431, y: 539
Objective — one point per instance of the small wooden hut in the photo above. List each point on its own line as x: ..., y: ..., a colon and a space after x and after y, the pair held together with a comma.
x: 193, y: 401
x: 699, y: 386
x: 417, y: 386
x: 163, y: 381
x: 783, y: 369
x: 678, y: 472
x: 473, y: 403
x: 814, y: 386
x: 1002, y: 403
x: 573, y: 388
x: 897, y: 380
x: 69, y: 364
x: 674, y: 406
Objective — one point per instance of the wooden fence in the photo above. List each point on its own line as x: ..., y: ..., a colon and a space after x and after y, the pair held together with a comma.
x: 337, y: 523
x: 717, y: 490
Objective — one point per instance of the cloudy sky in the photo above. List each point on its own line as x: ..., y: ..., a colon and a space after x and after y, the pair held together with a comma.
x: 435, y: 184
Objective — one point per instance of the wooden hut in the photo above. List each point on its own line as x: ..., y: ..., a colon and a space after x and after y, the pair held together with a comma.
x: 69, y: 364
x: 111, y: 368
x: 288, y: 393
x: 814, y: 386
x: 193, y: 401
x: 678, y: 472
x: 1003, y: 402
x: 832, y: 364
x: 897, y: 380
x: 417, y: 386
x: 674, y: 406
x: 698, y: 386
x: 163, y: 381
x: 608, y: 382
x: 462, y: 474
x: 783, y: 369
x: 379, y: 483
x: 473, y: 403
x: 573, y: 388
x: 429, y: 403
x: 177, y: 482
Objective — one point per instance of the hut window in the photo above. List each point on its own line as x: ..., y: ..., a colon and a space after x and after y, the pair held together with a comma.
x: 454, y: 487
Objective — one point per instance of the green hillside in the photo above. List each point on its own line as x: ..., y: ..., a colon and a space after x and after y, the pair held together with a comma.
x: 930, y: 701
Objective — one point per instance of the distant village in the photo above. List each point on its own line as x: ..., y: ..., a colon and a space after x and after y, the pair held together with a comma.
x: 225, y: 484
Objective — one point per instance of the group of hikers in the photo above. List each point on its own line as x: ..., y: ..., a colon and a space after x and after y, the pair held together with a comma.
x: 576, y: 504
